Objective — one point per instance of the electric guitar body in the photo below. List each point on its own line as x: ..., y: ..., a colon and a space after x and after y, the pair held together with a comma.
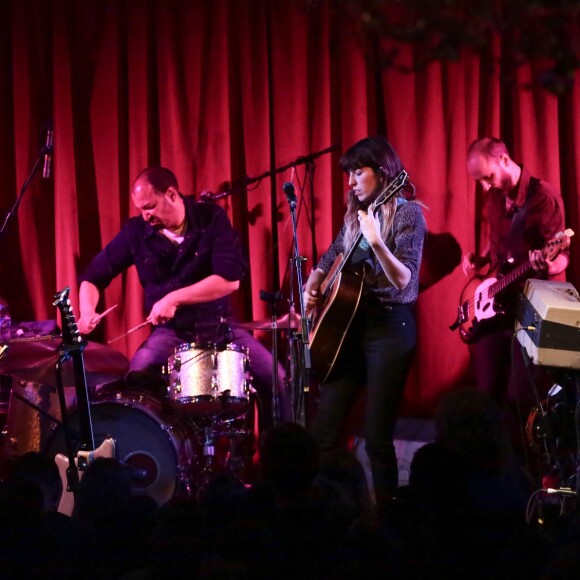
x: 82, y: 461
x: 486, y: 300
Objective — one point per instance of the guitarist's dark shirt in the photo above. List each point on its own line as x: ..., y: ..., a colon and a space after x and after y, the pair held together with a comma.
x: 405, y: 240
x: 535, y: 217
x: 211, y: 246
x: 543, y: 219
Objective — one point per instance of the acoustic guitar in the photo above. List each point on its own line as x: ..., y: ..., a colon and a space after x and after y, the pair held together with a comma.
x: 71, y: 471
x: 483, y: 299
x: 340, y: 295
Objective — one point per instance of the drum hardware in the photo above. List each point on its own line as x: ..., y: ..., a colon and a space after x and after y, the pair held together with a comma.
x: 289, y: 321
x: 176, y: 386
x: 272, y: 298
x: 208, y: 456
x: 234, y: 462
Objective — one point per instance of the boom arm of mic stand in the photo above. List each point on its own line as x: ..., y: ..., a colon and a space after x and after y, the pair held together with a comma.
x: 242, y: 184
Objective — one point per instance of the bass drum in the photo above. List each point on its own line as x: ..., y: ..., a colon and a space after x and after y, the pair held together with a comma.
x: 152, y: 443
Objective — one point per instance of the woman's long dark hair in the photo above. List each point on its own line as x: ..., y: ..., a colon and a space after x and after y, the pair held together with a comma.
x: 377, y: 153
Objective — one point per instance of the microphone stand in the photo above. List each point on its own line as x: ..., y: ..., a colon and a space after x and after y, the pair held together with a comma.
x: 300, y: 385
x: 39, y: 162
x: 310, y: 167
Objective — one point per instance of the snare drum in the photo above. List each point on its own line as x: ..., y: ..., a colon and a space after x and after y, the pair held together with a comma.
x: 209, y: 380
x: 151, y: 442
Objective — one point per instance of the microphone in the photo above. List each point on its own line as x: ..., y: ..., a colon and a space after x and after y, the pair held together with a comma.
x: 47, y: 150
x: 290, y: 192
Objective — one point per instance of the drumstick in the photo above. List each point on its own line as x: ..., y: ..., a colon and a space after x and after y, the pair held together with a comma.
x: 103, y: 314
x: 129, y: 331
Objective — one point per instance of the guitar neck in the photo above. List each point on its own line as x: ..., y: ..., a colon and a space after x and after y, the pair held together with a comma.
x: 509, y: 279
x: 82, y: 396
x: 73, y: 347
x: 396, y: 184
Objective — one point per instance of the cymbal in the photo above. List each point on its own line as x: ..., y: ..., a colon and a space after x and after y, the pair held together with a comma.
x: 283, y: 323
x: 36, y: 361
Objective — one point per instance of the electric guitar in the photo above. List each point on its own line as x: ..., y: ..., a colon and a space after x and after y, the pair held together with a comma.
x: 482, y: 299
x: 72, y: 348
x: 340, y: 295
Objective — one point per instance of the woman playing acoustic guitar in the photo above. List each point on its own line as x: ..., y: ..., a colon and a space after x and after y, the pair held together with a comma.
x: 377, y: 255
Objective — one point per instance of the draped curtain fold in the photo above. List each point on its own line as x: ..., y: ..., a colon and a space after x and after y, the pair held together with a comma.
x: 226, y: 91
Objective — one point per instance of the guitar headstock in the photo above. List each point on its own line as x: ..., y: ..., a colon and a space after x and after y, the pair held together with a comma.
x: 70, y: 331
x: 398, y: 182
x: 558, y: 243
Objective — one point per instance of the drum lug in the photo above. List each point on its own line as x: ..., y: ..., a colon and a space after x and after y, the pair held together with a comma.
x: 176, y: 385
x: 215, y: 382
x: 12, y: 442
x: 247, y: 386
x: 214, y: 360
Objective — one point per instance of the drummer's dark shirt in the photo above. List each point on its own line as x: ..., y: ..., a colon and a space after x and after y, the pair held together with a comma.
x: 211, y: 246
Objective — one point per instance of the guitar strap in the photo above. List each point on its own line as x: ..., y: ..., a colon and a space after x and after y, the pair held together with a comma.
x: 363, y: 251
x: 516, y: 233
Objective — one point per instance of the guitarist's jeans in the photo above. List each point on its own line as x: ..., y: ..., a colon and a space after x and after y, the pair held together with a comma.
x: 499, y: 369
x: 377, y: 353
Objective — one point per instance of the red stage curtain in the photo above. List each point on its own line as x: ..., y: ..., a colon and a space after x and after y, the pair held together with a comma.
x: 223, y: 89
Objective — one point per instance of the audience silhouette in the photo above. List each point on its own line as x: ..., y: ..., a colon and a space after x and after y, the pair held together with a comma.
x: 307, y: 515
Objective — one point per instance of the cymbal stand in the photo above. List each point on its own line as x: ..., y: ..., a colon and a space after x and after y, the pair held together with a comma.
x: 273, y: 298
x: 208, y: 457
x: 300, y: 382
x: 235, y: 463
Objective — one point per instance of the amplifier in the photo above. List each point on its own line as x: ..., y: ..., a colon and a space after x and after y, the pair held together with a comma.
x: 548, y: 323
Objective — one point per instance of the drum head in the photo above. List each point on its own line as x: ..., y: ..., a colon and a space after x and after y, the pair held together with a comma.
x: 148, y: 444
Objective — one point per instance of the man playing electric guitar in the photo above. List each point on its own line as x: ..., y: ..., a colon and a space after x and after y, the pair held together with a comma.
x: 524, y: 215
